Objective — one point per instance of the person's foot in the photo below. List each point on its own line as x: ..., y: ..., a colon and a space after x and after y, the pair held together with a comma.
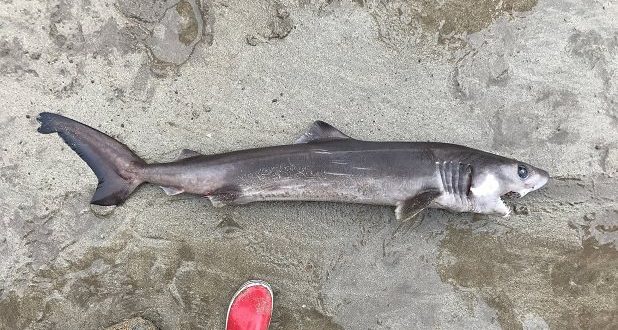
x: 251, y: 307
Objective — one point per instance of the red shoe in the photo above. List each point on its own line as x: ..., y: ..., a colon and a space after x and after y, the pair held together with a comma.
x: 251, y: 307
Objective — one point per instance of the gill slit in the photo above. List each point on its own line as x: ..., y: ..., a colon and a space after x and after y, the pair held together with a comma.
x: 456, y: 178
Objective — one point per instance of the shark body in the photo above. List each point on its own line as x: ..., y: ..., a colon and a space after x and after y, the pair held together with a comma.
x: 323, y: 165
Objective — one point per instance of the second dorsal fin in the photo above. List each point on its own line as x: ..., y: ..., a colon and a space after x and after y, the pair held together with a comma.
x: 321, y: 131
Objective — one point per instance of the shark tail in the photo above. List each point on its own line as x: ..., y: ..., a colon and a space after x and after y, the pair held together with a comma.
x: 115, y: 165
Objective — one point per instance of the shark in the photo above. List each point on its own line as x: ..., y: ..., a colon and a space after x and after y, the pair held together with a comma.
x: 324, y: 164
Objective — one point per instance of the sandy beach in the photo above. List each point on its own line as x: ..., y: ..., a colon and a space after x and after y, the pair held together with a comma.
x: 535, y: 81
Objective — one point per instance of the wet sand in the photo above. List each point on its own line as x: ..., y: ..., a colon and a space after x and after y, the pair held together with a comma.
x: 532, y: 81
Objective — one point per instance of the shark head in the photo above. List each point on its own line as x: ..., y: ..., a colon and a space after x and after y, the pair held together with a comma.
x: 498, y: 177
x: 519, y: 178
x: 510, y: 177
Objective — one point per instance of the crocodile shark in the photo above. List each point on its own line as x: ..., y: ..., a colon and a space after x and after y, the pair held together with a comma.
x: 324, y: 164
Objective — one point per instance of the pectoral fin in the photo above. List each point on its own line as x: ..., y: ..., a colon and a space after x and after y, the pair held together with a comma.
x: 409, y: 208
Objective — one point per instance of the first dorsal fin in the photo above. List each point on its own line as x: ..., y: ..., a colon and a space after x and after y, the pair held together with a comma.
x: 321, y: 131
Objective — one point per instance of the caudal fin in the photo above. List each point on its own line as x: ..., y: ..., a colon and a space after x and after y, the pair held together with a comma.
x: 116, y: 166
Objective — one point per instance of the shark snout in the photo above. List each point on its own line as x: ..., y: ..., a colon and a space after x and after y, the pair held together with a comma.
x: 543, y: 182
x: 543, y: 178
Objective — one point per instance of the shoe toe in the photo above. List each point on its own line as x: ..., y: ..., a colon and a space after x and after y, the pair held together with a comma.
x: 251, y: 307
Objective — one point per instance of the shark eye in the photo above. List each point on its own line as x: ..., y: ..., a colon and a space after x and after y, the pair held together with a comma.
x: 522, y: 171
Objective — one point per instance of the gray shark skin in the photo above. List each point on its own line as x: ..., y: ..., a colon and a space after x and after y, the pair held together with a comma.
x: 323, y: 165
